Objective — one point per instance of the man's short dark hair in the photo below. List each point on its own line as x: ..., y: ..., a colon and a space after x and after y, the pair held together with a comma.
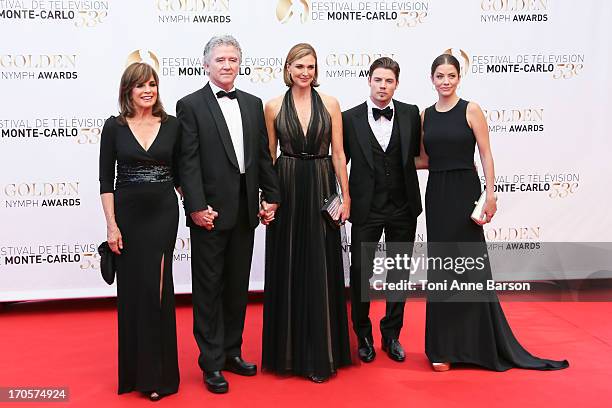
x: 387, y: 63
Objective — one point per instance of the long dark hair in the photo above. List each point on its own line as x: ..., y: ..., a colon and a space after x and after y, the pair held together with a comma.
x: 446, y: 59
x: 134, y: 74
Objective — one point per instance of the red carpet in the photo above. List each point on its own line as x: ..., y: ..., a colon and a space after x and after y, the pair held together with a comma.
x: 74, y: 344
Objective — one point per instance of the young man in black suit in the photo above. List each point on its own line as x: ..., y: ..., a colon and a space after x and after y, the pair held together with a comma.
x: 224, y: 162
x: 381, y: 139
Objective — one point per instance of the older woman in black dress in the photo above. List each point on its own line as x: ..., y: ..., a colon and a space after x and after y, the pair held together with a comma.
x: 468, y: 328
x: 141, y: 212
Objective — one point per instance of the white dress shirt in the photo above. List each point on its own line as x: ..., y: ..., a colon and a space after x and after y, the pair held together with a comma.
x: 231, y: 113
x: 382, y: 127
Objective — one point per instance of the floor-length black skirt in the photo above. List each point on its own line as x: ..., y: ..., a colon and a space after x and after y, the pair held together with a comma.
x: 147, y: 216
x: 305, y: 319
x: 471, y: 328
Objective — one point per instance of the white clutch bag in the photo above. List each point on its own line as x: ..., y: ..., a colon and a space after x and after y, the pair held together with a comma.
x: 478, y: 215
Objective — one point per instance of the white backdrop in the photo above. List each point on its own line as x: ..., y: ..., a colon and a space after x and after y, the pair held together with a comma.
x: 539, y: 68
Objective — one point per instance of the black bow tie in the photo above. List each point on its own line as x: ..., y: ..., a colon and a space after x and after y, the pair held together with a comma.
x: 387, y: 113
x: 231, y: 94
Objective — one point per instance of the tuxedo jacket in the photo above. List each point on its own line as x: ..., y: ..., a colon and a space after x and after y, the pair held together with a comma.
x: 358, y: 151
x: 208, y: 166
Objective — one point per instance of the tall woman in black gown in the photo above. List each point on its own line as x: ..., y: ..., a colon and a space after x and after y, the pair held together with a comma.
x: 473, y: 331
x: 141, y: 212
x: 305, y: 329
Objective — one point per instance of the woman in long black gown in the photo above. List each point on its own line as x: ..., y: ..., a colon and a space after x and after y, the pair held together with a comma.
x: 462, y: 330
x: 141, y: 212
x: 305, y: 329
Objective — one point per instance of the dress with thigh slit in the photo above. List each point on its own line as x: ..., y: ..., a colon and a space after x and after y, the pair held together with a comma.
x: 146, y: 211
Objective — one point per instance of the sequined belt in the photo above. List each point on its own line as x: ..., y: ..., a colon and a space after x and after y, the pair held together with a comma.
x: 305, y: 156
x: 143, y: 173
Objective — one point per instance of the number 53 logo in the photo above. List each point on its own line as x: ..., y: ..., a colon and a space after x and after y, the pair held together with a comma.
x: 90, y: 18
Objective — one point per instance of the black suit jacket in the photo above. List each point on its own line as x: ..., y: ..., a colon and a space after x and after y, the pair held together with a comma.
x: 208, y: 166
x: 358, y: 151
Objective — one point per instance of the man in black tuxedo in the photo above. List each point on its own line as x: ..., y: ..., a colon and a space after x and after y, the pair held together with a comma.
x: 381, y: 138
x: 224, y: 162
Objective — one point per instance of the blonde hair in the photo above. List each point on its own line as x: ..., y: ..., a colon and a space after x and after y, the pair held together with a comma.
x: 295, y: 53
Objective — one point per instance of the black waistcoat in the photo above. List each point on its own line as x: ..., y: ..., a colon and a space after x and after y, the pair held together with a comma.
x: 389, y: 184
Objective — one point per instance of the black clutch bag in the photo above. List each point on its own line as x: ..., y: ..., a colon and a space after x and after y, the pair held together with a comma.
x: 331, y: 208
x: 107, y: 263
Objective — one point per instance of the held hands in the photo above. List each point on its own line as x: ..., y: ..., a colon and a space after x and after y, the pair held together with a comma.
x: 114, y: 239
x: 267, y: 212
x: 490, y: 208
x: 205, y: 218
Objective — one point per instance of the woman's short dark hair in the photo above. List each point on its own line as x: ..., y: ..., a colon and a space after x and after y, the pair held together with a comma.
x: 135, y: 74
x: 445, y: 59
x: 387, y: 63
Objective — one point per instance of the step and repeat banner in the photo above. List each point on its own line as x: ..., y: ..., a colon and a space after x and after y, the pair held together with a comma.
x: 538, y: 68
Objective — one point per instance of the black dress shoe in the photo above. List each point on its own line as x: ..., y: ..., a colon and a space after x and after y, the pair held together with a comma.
x: 238, y: 366
x: 394, y: 349
x: 155, y: 396
x: 317, y: 379
x: 215, y: 382
x: 366, y: 350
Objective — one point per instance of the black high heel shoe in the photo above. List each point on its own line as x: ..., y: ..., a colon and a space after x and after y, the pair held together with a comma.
x: 154, y: 396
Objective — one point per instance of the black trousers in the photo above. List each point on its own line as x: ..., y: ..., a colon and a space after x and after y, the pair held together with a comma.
x: 220, y: 268
x: 399, y: 225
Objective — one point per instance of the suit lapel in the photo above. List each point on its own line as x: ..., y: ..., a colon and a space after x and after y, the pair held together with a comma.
x: 404, y: 124
x: 222, y: 129
x: 362, y: 130
x: 246, y: 128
